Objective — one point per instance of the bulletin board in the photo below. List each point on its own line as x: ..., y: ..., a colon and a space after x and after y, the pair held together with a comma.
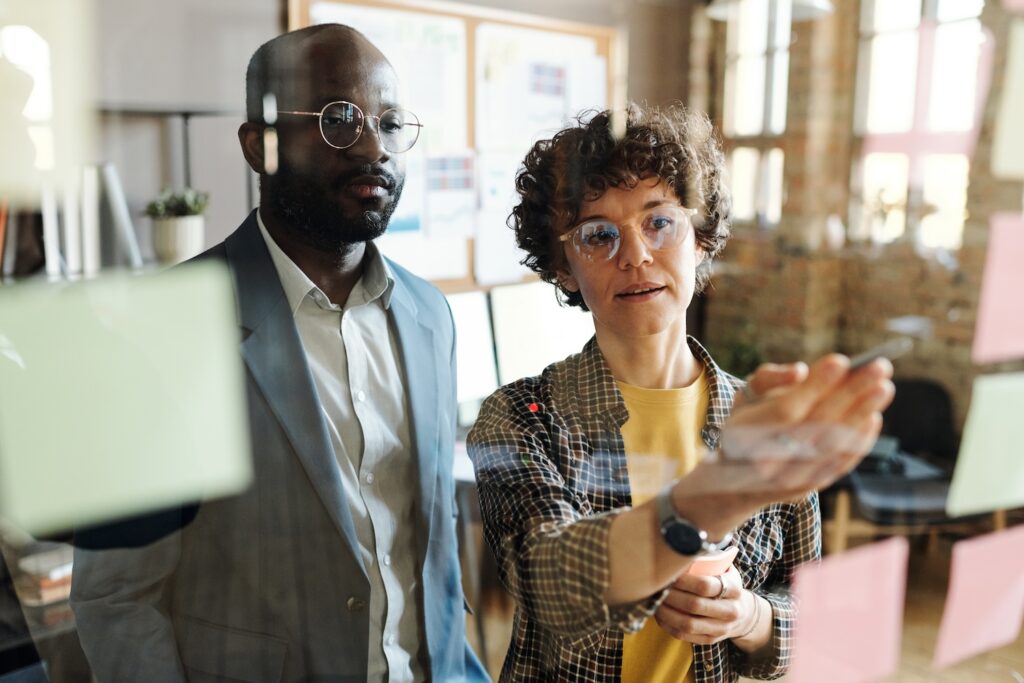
x: 486, y: 84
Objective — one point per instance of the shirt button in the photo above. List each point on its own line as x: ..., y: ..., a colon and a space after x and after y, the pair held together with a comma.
x: 369, y: 478
x: 355, y: 604
x: 387, y: 560
x: 391, y: 640
x: 360, y: 396
x: 708, y: 666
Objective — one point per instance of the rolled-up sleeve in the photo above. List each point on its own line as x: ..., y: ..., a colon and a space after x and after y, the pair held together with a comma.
x: 550, y: 544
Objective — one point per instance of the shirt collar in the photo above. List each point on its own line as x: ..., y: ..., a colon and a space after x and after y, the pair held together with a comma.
x: 377, y: 281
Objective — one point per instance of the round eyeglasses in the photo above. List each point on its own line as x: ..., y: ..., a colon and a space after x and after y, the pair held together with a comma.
x: 341, y: 124
x: 662, y: 227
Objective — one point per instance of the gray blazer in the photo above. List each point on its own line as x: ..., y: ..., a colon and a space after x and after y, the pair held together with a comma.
x: 268, y: 585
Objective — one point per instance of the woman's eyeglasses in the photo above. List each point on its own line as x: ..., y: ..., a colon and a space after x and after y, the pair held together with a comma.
x: 341, y: 124
x: 662, y: 227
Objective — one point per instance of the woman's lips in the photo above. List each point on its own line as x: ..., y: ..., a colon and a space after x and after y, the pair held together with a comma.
x: 640, y: 294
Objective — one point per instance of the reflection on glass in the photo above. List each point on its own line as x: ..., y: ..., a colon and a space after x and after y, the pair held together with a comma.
x: 892, y: 64
x: 945, y: 198
x: 774, y: 162
x: 745, y: 84
x: 885, y: 196
x: 743, y: 164
x: 954, y: 76
x: 780, y: 90
x: 890, y: 15
x: 747, y: 34
x: 951, y: 10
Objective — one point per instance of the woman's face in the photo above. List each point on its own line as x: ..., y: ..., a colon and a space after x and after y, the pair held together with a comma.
x: 641, y: 289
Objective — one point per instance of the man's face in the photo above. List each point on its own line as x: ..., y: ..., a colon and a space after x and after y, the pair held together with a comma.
x: 332, y: 197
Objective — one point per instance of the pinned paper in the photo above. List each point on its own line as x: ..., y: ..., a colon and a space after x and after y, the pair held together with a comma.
x: 1008, y: 138
x: 119, y: 396
x: 985, y: 602
x: 851, y: 615
x: 999, y: 333
x: 989, y: 469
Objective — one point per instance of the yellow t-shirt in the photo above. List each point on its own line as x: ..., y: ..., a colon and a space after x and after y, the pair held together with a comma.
x: 662, y: 440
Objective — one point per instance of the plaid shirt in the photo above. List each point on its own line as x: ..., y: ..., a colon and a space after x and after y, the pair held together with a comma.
x: 551, y: 474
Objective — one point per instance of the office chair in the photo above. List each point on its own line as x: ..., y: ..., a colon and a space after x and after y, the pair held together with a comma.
x: 901, y: 487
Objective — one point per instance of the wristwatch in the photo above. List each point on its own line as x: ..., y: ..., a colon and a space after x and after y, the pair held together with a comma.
x: 682, y: 535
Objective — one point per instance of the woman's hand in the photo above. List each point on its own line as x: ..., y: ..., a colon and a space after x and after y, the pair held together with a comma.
x: 800, y: 431
x: 708, y: 609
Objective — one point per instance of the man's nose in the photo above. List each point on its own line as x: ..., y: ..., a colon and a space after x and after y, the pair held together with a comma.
x: 368, y: 148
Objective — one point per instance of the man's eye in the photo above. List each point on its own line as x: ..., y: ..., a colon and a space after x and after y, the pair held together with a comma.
x: 334, y: 121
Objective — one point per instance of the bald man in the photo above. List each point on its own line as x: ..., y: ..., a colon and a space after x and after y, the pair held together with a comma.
x: 340, y: 562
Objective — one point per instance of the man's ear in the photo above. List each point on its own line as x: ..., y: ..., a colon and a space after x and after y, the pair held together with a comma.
x: 250, y: 136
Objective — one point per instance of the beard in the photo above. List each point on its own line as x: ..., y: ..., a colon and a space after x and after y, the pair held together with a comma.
x: 314, y: 219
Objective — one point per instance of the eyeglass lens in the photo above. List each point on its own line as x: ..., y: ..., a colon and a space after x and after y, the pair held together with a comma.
x: 343, y: 122
x: 661, y: 229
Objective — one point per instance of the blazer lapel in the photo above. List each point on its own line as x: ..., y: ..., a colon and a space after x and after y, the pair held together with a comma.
x: 416, y: 341
x: 273, y: 353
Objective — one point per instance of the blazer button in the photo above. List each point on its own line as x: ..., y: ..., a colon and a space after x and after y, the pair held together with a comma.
x: 355, y: 604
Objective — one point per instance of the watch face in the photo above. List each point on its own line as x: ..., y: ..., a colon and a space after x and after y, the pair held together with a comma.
x: 682, y: 538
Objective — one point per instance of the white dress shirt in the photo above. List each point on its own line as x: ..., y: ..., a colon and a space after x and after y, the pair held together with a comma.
x: 354, y: 359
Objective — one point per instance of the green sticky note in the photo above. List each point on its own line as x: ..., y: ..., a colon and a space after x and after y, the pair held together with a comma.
x: 990, y: 468
x: 119, y: 396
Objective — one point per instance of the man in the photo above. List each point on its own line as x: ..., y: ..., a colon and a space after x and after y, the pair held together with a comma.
x: 340, y: 561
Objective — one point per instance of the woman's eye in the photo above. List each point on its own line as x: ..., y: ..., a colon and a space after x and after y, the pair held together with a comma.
x: 600, y: 236
x: 659, y: 223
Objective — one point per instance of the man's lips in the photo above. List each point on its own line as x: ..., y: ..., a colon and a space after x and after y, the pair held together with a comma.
x: 369, y: 187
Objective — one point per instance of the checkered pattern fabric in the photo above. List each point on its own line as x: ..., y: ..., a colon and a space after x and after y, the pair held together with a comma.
x: 551, y: 473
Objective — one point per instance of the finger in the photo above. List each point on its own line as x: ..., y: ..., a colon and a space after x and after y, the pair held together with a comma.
x: 856, y: 427
x: 770, y: 376
x: 790, y: 405
x: 701, y: 586
x: 691, y: 629
x: 841, y: 465
x: 856, y: 388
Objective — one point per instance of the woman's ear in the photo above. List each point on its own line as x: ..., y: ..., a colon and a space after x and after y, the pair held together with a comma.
x: 567, y: 281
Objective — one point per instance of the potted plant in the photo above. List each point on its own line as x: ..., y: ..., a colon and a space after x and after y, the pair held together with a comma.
x: 178, y: 224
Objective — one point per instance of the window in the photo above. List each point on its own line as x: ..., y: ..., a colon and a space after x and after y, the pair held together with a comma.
x: 922, y: 66
x: 756, y: 84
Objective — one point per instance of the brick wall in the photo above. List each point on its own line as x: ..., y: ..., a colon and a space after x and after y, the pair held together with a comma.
x: 794, y: 299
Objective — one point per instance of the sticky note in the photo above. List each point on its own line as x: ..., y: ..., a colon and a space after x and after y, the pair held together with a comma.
x: 985, y: 601
x: 119, y: 395
x: 850, y: 616
x: 999, y: 331
x: 1014, y: 5
x: 989, y: 471
x: 1008, y: 136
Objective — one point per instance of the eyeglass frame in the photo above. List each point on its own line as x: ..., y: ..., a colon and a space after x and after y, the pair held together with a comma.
x: 570, y: 234
x: 320, y: 124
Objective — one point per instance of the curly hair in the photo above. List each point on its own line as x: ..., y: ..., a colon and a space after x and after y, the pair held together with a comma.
x: 581, y: 162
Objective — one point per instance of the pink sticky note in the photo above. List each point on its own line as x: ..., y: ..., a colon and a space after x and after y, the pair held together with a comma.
x: 985, y: 602
x: 999, y: 332
x: 850, y: 615
x: 1014, y: 5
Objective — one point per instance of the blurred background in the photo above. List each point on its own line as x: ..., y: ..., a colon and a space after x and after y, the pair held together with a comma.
x: 870, y: 143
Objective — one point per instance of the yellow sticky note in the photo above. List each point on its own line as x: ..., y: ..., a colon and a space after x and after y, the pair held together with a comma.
x: 990, y: 468
x: 119, y: 396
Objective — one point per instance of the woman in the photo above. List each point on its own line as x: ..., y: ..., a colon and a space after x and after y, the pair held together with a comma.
x: 596, y: 499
